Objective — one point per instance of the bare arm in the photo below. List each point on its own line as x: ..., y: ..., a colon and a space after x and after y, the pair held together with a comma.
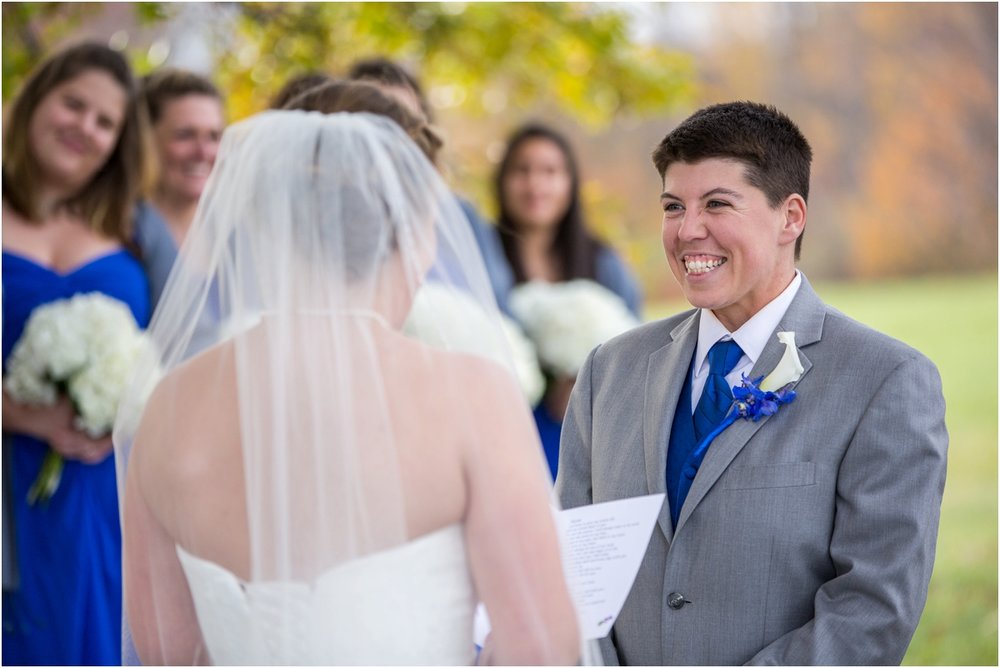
x: 158, y: 603
x: 512, y: 542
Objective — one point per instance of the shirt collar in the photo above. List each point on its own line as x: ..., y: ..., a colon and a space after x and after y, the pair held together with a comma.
x: 754, y: 334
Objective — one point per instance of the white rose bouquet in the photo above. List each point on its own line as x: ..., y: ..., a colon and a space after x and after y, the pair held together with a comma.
x: 85, y: 346
x: 567, y: 320
x: 442, y: 315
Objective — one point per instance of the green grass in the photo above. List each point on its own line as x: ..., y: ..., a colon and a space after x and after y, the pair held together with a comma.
x: 952, y: 320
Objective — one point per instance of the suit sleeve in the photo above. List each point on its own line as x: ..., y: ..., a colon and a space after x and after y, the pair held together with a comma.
x: 574, y: 483
x: 889, y: 489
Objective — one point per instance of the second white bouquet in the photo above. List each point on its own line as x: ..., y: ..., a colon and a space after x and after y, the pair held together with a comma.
x: 444, y: 317
x: 567, y: 320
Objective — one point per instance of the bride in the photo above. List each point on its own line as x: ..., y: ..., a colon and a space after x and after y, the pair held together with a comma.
x: 314, y: 486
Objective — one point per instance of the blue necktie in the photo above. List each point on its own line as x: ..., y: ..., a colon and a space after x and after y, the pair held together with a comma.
x: 717, y: 397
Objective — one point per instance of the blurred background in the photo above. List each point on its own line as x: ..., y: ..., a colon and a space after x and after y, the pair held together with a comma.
x: 899, y: 101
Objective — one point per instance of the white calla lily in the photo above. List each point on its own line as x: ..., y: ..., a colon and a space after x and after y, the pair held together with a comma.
x: 789, y: 368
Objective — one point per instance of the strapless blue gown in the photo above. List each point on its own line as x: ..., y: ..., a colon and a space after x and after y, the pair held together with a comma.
x: 68, y: 607
x: 549, y: 431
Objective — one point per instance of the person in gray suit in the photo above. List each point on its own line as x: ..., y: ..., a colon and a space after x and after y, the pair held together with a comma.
x: 799, y: 526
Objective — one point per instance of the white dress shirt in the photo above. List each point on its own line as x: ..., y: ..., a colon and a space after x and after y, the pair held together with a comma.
x: 751, y: 337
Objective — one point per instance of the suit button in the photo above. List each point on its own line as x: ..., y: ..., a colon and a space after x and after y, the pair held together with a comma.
x: 676, y: 601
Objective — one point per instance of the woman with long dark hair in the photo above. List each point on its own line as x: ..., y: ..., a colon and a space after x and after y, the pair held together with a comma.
x: 545, y: 238
x: 541, y: 220
x: 72, y: 170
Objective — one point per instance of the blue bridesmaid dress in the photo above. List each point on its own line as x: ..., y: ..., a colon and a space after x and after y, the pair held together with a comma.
x: 67, y: 606
x: 549, y: 431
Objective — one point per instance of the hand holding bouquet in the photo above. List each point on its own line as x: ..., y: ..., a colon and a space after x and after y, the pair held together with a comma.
x: 84, y: 347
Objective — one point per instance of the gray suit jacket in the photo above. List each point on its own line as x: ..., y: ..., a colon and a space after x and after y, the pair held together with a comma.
x: 807, y: 537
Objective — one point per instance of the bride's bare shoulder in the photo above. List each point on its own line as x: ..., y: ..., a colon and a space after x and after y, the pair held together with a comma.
x: 184, y: 387
x: 191, y: 405
x: 472, y: 376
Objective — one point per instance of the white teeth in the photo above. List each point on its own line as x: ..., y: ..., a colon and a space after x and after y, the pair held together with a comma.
x: 702, y: 266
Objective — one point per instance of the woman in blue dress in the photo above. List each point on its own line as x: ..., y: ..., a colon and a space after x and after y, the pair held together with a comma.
x: 72, y: 169
x: 544, y: 238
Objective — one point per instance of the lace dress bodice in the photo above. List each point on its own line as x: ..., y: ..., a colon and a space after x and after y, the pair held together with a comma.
x: 412, y: 604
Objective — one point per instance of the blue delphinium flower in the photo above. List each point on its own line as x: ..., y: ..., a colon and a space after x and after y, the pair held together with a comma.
x: 752, y: 403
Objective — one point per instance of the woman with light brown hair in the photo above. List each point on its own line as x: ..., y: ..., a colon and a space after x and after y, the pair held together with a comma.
x: 185, y: 111
x: 72, y: 170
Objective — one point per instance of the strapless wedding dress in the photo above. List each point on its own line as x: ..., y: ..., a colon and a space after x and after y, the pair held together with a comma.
x: 412, y: 604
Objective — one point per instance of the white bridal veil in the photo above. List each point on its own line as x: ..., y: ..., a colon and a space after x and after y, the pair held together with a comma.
x: 304, y: 431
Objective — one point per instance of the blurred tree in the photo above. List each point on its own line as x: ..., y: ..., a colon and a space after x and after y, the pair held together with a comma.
x: 480, y: 58
x: 927, y: 200
x: 31, y: 30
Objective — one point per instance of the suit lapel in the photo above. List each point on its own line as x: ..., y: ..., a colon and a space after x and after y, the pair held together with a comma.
x: 805, y: 317
x: 666, y: 366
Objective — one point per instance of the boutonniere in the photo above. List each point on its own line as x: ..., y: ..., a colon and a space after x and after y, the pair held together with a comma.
x: 754, y: 399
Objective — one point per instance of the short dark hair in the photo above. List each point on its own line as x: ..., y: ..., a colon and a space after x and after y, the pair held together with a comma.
x: 358, y: 96
x: 297, y: 85
x: 576, y: 248
x: 774, y: 150
x: 168, y: 84
x: 108, y: 200
x: 389, y: 73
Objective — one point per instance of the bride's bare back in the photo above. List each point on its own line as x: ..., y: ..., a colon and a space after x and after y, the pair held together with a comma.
x: 457, y: 440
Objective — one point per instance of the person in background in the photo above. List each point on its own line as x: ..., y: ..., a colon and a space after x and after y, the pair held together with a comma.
x: 298, y: 85
x: 185, y: 110
x: 395, y: 80
x: 72, y: 173
x: 544, y: 238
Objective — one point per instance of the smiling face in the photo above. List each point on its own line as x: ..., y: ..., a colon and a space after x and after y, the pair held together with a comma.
x: 187, y: 139
x: 75, y: 127
x: 537, y: 184
x: 728, y: 249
